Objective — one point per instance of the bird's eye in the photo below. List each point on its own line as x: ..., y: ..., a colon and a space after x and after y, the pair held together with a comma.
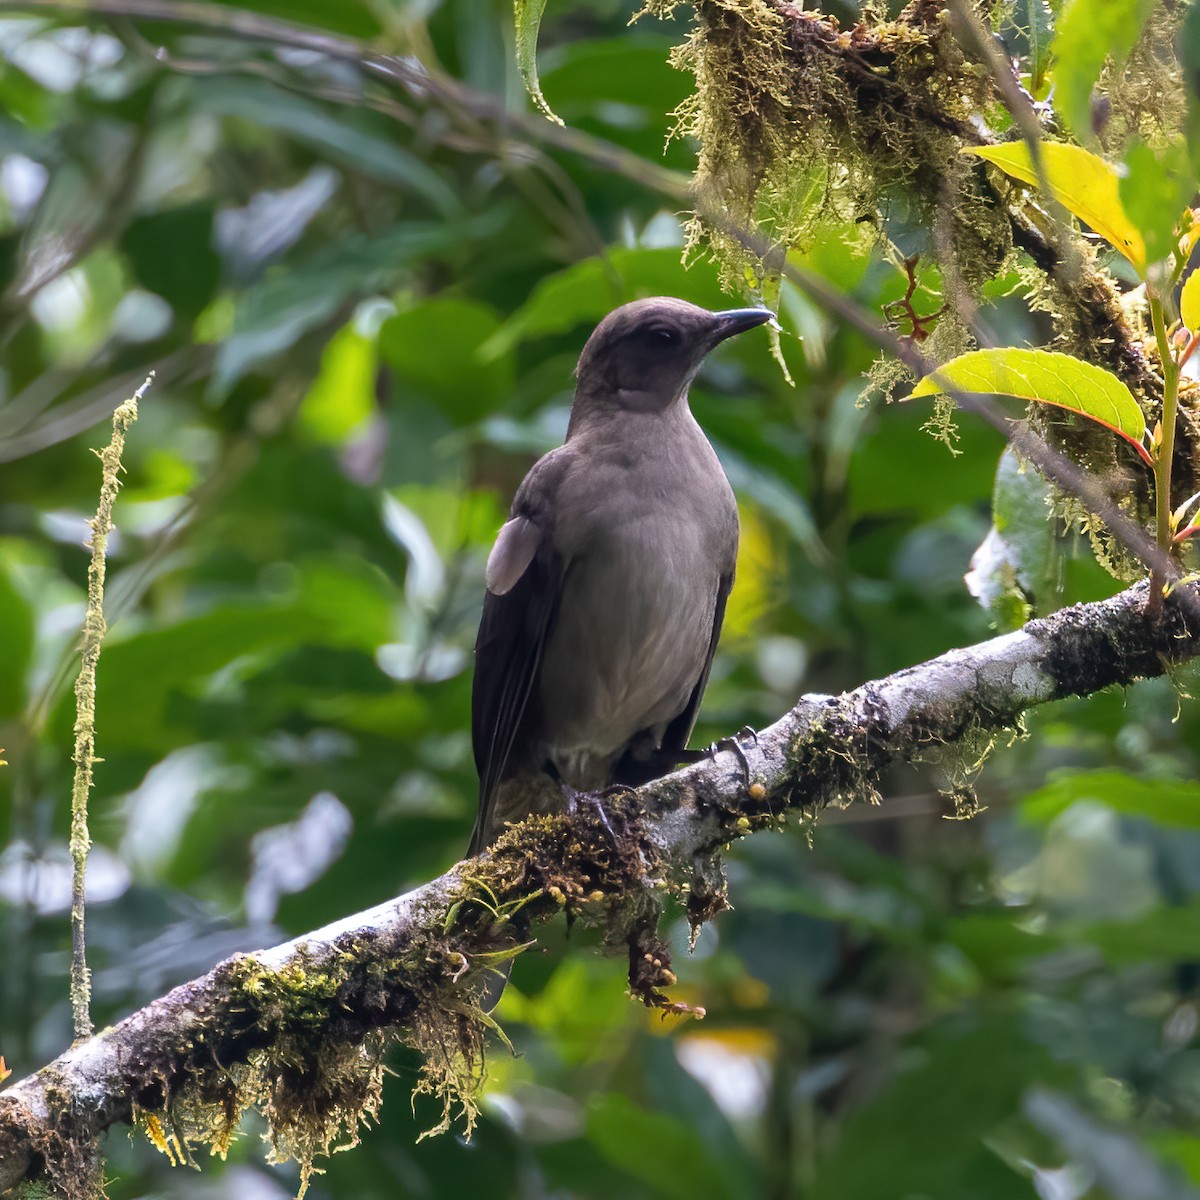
x: 661, y: 336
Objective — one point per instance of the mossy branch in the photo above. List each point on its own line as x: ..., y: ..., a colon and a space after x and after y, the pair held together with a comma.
x: 84, y: 754
x: 299, y: 1031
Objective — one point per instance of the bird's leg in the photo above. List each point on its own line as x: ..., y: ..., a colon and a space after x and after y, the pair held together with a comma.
x: 735, y: 744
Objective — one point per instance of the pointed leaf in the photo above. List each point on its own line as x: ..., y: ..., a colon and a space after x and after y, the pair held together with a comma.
x: 1155, y: 188
x: 1082, y: 182
x: 1189, y: 302
x: 1039, y: 28
x: 1046, y: 377
x: 527, y: 15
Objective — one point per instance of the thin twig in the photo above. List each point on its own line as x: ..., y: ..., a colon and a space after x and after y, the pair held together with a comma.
x: 85, y: 706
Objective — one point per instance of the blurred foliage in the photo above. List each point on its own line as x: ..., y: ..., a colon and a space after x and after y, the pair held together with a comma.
x: 363, y: 324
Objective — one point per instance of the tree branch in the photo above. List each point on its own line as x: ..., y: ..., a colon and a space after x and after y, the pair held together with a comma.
x: 295, y: 1030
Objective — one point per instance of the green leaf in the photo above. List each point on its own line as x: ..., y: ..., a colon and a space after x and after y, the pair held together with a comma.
x: 1048, y: 378
x: 435, y: 350
x: 1082, y: 182
x: 1165, y: 933
x: 353, y: 17
x: 583, y: 293
x: 1154, y: 191
x: 925, y: 1135
x: 631, y: 71
x: 143, y: 676
x: 16, y: 619
x: 1170, y: 802
x: 172, y: 254
x: 1038, y: 32
x: 527, y: 15
x: 656, y: 1148
x: 273, y: 315
x: 1016, y: 566
x: 1189, y: 302
x: 345, y: 135
x: 1088, y: 33
x: 342, y: 396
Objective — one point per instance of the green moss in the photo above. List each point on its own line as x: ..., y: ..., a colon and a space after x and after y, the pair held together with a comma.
x: 322, y: 1023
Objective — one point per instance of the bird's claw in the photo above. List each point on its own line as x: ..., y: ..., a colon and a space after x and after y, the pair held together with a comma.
x: 734, y: 744
x: 576, y: 799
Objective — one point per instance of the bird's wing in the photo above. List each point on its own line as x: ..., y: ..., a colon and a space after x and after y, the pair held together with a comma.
x: 680, y: 729
x: 525, y: 576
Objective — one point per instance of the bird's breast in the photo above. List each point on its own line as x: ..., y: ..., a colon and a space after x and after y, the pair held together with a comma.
x: 636, y: 617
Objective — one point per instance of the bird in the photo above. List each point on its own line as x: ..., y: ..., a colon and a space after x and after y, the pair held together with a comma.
x: 606, y: 587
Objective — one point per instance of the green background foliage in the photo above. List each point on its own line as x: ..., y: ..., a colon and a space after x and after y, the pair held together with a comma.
x: 363, y: 324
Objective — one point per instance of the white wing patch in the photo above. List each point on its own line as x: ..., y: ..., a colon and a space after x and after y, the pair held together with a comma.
x: 516, y: 544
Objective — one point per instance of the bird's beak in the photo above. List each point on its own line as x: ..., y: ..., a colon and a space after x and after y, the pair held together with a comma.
x: 737, y: 320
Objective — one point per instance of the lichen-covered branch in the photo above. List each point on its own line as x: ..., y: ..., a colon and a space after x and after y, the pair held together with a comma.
x: 298, y: 1031
x: 84, y: 755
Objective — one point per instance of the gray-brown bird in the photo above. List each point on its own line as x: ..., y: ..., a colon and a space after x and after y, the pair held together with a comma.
x: 606, y: 588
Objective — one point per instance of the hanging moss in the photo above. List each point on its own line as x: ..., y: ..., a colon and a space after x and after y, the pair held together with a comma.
x: 803, y: 126
x: 1146, y: 96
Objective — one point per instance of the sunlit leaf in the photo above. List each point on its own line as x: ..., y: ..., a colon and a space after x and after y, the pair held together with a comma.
x: 528, y: 17
x: 1046, y: 377
x: 342, y: 396
x: 1087, y: 34
x: 1082, y: 182
x: 1189, y: 302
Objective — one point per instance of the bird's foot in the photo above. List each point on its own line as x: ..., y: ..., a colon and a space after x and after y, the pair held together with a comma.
x: 576, y: 800
x: 734, y: 744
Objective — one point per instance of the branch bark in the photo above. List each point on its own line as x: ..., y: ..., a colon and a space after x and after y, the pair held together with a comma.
x: 294, y: 1030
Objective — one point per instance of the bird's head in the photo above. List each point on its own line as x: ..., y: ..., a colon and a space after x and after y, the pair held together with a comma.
x: 643, y: 356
